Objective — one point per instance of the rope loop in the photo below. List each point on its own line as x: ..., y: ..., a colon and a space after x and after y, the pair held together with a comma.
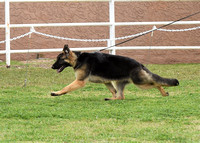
x: 32, y: 30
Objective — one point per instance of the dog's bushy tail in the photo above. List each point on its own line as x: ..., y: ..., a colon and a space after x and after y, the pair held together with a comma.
x: 161, y: 80
x: 165, y: 81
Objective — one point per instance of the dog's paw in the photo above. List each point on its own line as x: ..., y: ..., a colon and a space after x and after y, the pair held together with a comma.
x: 166, y: 94
x: 54, y: 94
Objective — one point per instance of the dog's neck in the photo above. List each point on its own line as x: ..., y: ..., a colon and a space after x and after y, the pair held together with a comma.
x: 77, y: 53
x: 73, y: 56
x: 76, y: 64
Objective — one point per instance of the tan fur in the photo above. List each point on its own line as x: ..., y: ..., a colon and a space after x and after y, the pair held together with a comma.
x: 71, y: 87
x: 71, y: 59
x: 162, y: 91
x: 146, y: 77
x: 97, y: 79
x: 80, y: 73
x: 111, y: 89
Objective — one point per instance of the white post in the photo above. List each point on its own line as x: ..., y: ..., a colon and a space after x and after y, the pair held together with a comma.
x: 7, y: 25
x: 112, y: 27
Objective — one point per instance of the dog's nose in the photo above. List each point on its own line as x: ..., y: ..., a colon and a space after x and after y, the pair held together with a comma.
x: 52, y: 67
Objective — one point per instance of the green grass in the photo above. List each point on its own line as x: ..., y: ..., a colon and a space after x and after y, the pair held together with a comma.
x: 31, y: 114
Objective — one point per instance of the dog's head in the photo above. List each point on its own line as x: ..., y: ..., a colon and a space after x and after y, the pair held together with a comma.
x: 64, y: 60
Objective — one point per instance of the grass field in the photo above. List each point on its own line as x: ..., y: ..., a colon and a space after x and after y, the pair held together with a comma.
x: 31, y: 114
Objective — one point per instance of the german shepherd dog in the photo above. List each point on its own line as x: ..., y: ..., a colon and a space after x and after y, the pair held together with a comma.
x: 112, y: 70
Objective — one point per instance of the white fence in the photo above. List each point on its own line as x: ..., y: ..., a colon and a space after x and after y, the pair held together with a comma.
x: 112, y: 24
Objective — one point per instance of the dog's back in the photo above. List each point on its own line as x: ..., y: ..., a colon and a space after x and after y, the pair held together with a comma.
x: 108, y: 66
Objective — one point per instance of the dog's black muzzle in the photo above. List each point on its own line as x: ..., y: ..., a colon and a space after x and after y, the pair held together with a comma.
x: 60, y: 68
x: 53, y: 67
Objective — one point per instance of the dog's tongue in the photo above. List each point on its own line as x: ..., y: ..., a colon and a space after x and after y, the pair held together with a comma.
x: 60, y: 69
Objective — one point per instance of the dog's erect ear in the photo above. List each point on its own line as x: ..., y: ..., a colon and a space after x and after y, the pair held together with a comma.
x: 66, y: 49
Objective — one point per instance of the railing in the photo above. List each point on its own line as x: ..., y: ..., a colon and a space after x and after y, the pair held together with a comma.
x: 111, y: 24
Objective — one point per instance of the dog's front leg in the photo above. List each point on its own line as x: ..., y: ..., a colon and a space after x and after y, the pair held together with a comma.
x: 71, y: 87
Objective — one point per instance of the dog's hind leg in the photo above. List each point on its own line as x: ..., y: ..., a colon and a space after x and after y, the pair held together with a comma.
x: 120, y: 91
x: 162, y: 91
x: 111, y: 89
x: 71, y: 87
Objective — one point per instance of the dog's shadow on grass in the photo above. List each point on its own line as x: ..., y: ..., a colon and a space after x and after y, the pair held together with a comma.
x: 86, y: 99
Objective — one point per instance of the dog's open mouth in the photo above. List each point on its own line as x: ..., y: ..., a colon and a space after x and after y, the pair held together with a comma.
x: 60, y: 69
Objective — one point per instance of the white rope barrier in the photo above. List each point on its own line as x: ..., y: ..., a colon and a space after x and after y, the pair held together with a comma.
x: 32, y: 30
x: 71, y: 39
x: 18, y: 37
x: 179, y: 30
